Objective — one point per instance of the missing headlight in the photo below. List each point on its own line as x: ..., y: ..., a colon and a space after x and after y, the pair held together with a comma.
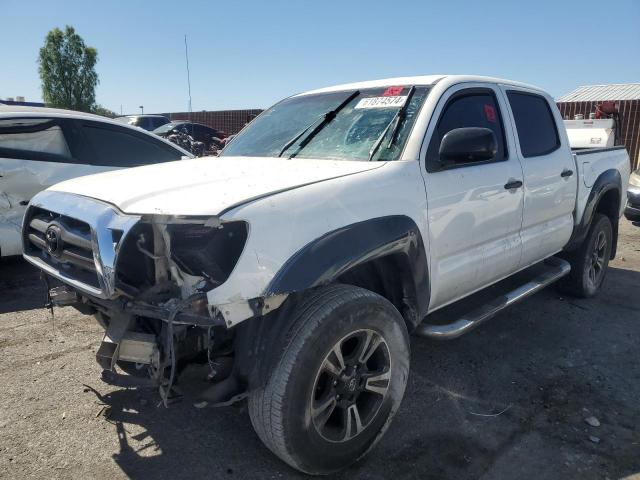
x: 207, y: 251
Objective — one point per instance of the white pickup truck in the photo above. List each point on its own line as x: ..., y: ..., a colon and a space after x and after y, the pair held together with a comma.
x: 336, y: 224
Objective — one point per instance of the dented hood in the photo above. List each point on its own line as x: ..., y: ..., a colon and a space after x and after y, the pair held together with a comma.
x: 205, y: 186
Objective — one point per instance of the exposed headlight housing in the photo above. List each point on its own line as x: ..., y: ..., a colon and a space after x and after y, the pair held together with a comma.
x: 197, y: 249
x: 210, y: 252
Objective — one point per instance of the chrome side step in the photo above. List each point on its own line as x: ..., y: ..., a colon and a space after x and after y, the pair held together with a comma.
x: 555, y: 268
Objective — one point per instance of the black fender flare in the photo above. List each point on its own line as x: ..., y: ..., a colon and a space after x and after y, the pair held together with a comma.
x: 326, y: 258
x: 606, y: 181
x: 260, y: 340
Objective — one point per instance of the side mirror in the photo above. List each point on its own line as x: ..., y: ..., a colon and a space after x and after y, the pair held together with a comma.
x: 467, y: 145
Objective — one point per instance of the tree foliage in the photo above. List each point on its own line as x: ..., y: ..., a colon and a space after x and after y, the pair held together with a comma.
x: 105, y: 112
x: 67, y: 70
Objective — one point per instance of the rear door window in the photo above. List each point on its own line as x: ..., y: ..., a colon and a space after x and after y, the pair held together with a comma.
x: 536, y: 127
x: 120, y: 147
x: 34, y: 139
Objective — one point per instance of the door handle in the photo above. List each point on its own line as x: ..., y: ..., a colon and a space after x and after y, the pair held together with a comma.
x: 566, y: 173
x: 511, y: 184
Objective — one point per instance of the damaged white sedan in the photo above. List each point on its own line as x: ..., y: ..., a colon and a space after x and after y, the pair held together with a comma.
x: 334, y: 225
x: 40, y: 147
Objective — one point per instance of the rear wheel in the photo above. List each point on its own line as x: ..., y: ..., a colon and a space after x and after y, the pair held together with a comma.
x: 338, y: 383
x: 589, y: 263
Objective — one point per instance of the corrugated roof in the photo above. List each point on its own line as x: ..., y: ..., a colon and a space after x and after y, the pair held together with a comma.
x: 596, y: 93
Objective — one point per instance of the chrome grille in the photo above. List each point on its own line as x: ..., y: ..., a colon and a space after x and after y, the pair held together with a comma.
x: 63, y: 243
x: 76, y: 239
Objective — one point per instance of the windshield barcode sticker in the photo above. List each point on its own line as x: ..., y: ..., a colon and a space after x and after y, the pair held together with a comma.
x: 382, y: 102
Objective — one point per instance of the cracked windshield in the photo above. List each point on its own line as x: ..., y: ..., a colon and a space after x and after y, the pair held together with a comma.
x: 370, y: 124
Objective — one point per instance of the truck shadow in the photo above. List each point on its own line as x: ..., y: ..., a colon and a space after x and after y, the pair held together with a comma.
x: 508, y: 398
x: 182, y: 441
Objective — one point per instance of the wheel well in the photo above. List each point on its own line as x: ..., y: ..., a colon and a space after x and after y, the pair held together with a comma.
x: 390, y: 277
x: 259, y: 340
x: 609, y: 205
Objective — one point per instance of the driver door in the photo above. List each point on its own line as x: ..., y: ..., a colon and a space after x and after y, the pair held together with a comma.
x: 474, y: 217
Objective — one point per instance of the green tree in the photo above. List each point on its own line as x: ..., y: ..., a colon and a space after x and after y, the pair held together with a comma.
x: 105, y: 112
x: 67, y: 71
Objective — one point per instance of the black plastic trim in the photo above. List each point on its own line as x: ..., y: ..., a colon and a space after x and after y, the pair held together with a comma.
x: 606, y: 181
x: 259, y: 340
x: 325, y: 259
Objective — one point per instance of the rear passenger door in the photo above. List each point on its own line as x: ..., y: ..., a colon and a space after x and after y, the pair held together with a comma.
x: 549, y: 177
x: 474, y: 219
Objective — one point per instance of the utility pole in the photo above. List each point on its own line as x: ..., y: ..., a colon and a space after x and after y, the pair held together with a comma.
x: 186, y: 56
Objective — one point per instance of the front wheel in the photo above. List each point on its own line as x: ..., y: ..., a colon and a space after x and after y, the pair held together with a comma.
x: 589, y: 263
x: 338, y: 383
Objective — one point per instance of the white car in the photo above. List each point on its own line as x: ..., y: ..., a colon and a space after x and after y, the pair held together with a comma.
x: 334, y: 225
x: 43, y: 146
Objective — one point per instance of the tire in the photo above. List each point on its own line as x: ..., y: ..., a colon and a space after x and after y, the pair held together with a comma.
x: 287, y: 413
x: 588, y: 263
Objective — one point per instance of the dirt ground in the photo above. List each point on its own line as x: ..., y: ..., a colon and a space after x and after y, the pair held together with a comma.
x: 508, y: 400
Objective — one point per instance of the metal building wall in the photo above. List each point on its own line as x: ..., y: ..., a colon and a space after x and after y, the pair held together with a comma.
x: 629, y: 123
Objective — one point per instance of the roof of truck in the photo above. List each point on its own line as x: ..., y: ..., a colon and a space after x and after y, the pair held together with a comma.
x: 417, y: 80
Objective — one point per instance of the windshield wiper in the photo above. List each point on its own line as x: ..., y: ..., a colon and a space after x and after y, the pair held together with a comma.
x: 395, y: 121
x: 294, y: 139
x: 326, y: 119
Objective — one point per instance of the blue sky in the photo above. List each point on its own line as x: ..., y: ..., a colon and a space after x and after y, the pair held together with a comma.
x: 249, y: 54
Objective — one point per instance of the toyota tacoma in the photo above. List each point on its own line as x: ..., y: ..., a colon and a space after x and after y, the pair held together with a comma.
x: 336, y: 224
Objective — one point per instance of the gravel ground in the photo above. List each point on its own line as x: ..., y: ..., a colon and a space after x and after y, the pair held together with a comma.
x: 509, y: 400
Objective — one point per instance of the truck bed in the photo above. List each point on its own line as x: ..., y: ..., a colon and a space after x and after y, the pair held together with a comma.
x: 591, y: 163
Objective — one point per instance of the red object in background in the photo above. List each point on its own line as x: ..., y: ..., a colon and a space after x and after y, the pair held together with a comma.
x: 606, y: 109
x: 392, y: 91
x: 490, y: 113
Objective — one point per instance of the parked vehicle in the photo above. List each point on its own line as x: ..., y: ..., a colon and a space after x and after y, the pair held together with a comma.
x: 210, y: 137
x: 43, y: 146
x: 146, y: 122
x: 632, y: 210
x: 334, y: 225
x: 187, y: 142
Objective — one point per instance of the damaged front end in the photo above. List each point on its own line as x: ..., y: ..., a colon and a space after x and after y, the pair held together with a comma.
x: 145, y: 278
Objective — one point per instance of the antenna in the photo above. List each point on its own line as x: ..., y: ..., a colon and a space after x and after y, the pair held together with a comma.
x: 186, y: 56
